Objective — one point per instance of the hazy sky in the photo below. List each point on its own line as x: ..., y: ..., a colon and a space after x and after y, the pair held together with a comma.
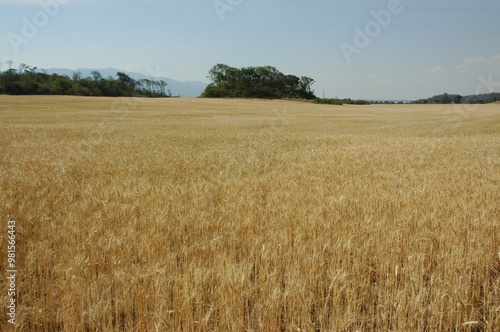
x: 373, y: 49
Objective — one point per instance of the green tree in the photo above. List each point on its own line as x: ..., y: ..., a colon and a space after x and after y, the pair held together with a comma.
x: 256, y: 82
x: 25, y: 80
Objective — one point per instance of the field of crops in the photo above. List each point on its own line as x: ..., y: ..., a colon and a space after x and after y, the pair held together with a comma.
x: 248, y: 215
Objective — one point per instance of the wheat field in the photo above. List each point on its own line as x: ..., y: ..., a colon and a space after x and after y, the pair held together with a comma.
x: 248, y: 215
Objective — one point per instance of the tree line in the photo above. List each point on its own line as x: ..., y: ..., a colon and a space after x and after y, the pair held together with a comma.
x: 256, y: 82
x: 458, y: 99
x: 25, y: 80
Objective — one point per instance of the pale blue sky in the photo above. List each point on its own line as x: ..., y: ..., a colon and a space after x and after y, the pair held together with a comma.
x: 425, y: 47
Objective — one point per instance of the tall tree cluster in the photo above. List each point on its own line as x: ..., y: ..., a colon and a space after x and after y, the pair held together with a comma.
x: 25, y: 80
x: 256, y: 82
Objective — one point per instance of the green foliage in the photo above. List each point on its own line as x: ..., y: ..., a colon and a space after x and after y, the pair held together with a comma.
x: 458, y: 99
x: 336, y: 101
x: 256, y: 82
x: 26, y: 81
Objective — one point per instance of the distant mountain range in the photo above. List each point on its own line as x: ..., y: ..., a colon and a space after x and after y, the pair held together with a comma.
x: 177, y: 88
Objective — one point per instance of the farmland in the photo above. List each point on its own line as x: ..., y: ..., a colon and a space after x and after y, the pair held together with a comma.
x: 250, y: 215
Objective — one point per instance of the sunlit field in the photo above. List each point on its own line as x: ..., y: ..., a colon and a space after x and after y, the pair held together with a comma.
x: 248, y: 215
